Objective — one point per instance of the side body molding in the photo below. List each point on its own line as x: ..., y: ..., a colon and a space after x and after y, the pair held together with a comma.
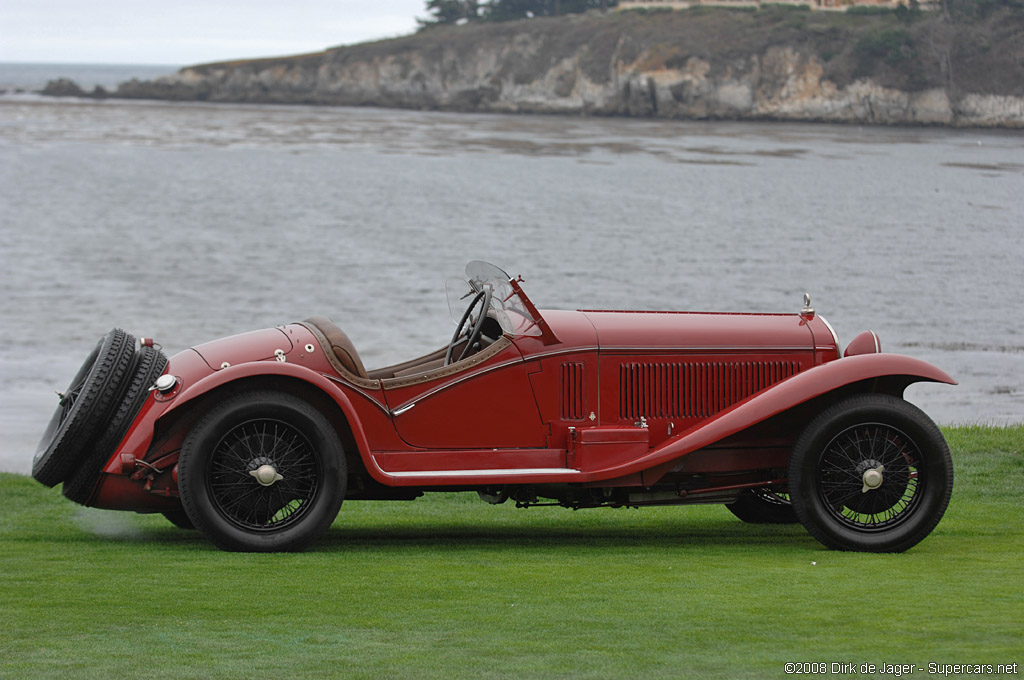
x: 803, y: 387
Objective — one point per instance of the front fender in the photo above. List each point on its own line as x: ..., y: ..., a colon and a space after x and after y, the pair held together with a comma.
x: 802, y: 387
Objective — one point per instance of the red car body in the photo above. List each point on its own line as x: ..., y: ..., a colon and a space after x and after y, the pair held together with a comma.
x: 585, y: 408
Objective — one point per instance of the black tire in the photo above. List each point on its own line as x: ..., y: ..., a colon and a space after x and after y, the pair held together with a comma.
x: 268, y: 433
x: 871, y: 473
x: 179, y: 519
x: 79, y: 485
x: 763, y: 506
x: 84, y: 407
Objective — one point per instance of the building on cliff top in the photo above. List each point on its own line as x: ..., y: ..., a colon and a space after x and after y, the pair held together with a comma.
x: 833, y: 5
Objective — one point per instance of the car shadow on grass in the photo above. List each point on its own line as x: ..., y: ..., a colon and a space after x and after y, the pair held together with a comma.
x: 441, y: 537
x: 462, y: 537
x: 399, y: 534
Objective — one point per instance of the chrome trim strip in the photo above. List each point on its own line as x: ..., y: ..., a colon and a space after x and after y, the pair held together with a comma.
x: 878, y: 342
x: 839, y: 349
x: 721, y: 348
x: 411, y: 474
x: 399, y: 411
x: 559, y: 352
x: 358, y: 391
x: 440, y: 388
x: 666, y: 349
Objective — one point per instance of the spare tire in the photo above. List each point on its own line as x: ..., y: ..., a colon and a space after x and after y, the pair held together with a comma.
x: 84, y: 407
x: 79, y: 484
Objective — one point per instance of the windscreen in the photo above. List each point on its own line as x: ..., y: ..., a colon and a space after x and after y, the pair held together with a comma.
x: 506, y: 307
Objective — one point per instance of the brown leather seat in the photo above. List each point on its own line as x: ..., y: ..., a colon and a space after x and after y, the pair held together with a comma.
x: 343, y: 348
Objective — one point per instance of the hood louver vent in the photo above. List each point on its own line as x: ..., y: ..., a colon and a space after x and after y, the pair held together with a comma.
x: 570, y: 382
x: 694, y: 390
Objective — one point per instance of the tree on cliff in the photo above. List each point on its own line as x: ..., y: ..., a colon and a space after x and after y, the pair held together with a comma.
x: 456, y: 11
x: 961, y: 34
x: 506, y: 10
x: 965, y: 10
x: 450, y: 11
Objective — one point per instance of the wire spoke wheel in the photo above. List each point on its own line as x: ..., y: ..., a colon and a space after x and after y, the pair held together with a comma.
x: 870, y: 473
x: 262, y: 472
x: 772, y: 497
x: 69, y: 399
x: 238, y: 493
x: 765, y: 505
x: 854, y: 453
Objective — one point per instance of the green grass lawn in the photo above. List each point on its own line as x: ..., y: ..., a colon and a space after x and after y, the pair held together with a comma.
x: 449, y: 587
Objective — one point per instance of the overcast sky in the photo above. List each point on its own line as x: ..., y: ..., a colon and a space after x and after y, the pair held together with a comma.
x: 192, y: 31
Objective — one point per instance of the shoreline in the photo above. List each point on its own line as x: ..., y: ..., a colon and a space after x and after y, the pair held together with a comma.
x: 91, y: 96
x: 775, y: 64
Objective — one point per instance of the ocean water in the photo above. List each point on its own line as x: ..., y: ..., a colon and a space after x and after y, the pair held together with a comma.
x: 188, y: 222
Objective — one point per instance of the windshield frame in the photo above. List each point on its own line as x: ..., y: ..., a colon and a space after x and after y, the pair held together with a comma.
x: 510, y: 306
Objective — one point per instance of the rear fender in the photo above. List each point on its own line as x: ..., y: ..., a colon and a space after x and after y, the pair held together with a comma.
x: 140, y: 437
x: 895, y: 370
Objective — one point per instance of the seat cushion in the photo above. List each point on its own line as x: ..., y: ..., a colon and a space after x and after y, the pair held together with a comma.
x: 343, y: 348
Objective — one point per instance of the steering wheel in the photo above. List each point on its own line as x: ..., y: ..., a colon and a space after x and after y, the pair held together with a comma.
x: 478, y: 326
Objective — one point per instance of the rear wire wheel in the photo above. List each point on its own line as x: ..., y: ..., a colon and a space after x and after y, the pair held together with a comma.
x: 262, y: 472
x: 763, y: 506
x: 871, y: 473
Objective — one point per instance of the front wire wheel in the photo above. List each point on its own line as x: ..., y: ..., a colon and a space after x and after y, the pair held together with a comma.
x: 263, y: 472
x: 869, y: 476
x: 871, y: 473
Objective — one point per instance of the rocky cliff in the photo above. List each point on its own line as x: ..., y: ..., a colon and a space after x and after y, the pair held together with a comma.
x: 779, y: 65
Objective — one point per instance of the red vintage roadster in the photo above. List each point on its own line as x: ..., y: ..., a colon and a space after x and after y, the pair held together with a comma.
x: 257, y: 439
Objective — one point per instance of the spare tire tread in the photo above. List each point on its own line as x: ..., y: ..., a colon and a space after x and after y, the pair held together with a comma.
x: 79, y: 486
x: 100, y: 383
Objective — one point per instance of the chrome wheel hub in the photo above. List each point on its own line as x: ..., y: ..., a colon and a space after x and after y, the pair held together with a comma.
x: 266, y: 475
x: 872, y: 478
